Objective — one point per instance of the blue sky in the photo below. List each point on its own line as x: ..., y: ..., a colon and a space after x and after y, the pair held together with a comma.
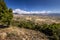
x: 34, y: 5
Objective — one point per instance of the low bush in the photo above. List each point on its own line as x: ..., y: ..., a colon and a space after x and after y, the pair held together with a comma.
x: 27, y: 24
x: 51, y: 30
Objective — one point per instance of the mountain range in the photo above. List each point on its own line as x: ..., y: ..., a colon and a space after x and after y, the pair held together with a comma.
x: 40, y: 14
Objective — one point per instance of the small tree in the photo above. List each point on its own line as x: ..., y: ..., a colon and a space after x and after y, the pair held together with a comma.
x: 5, y: 14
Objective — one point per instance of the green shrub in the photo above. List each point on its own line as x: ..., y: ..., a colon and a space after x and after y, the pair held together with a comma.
x: 51, y: 30
x: 27, y: 24
x: 14, y: 23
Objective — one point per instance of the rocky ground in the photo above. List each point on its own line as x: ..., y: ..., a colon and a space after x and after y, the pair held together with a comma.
x: 14, y: 33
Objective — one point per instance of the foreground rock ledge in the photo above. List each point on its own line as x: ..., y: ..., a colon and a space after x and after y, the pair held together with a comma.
x: 14, y: 33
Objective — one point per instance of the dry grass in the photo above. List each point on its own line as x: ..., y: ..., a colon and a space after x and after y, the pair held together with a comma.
x: 14, y: 33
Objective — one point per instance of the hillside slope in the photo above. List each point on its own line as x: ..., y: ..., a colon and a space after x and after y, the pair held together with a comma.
x: 14, y: 33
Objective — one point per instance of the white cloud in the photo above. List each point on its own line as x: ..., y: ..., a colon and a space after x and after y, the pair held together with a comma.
x: 19, y: 11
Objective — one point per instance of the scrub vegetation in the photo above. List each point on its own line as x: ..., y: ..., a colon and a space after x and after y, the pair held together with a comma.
x: 21, y: 29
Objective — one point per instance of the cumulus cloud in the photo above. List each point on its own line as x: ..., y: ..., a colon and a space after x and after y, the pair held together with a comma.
x: 19, y: 11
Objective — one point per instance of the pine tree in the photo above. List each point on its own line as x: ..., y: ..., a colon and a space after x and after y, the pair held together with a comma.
x: 6, y: 14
